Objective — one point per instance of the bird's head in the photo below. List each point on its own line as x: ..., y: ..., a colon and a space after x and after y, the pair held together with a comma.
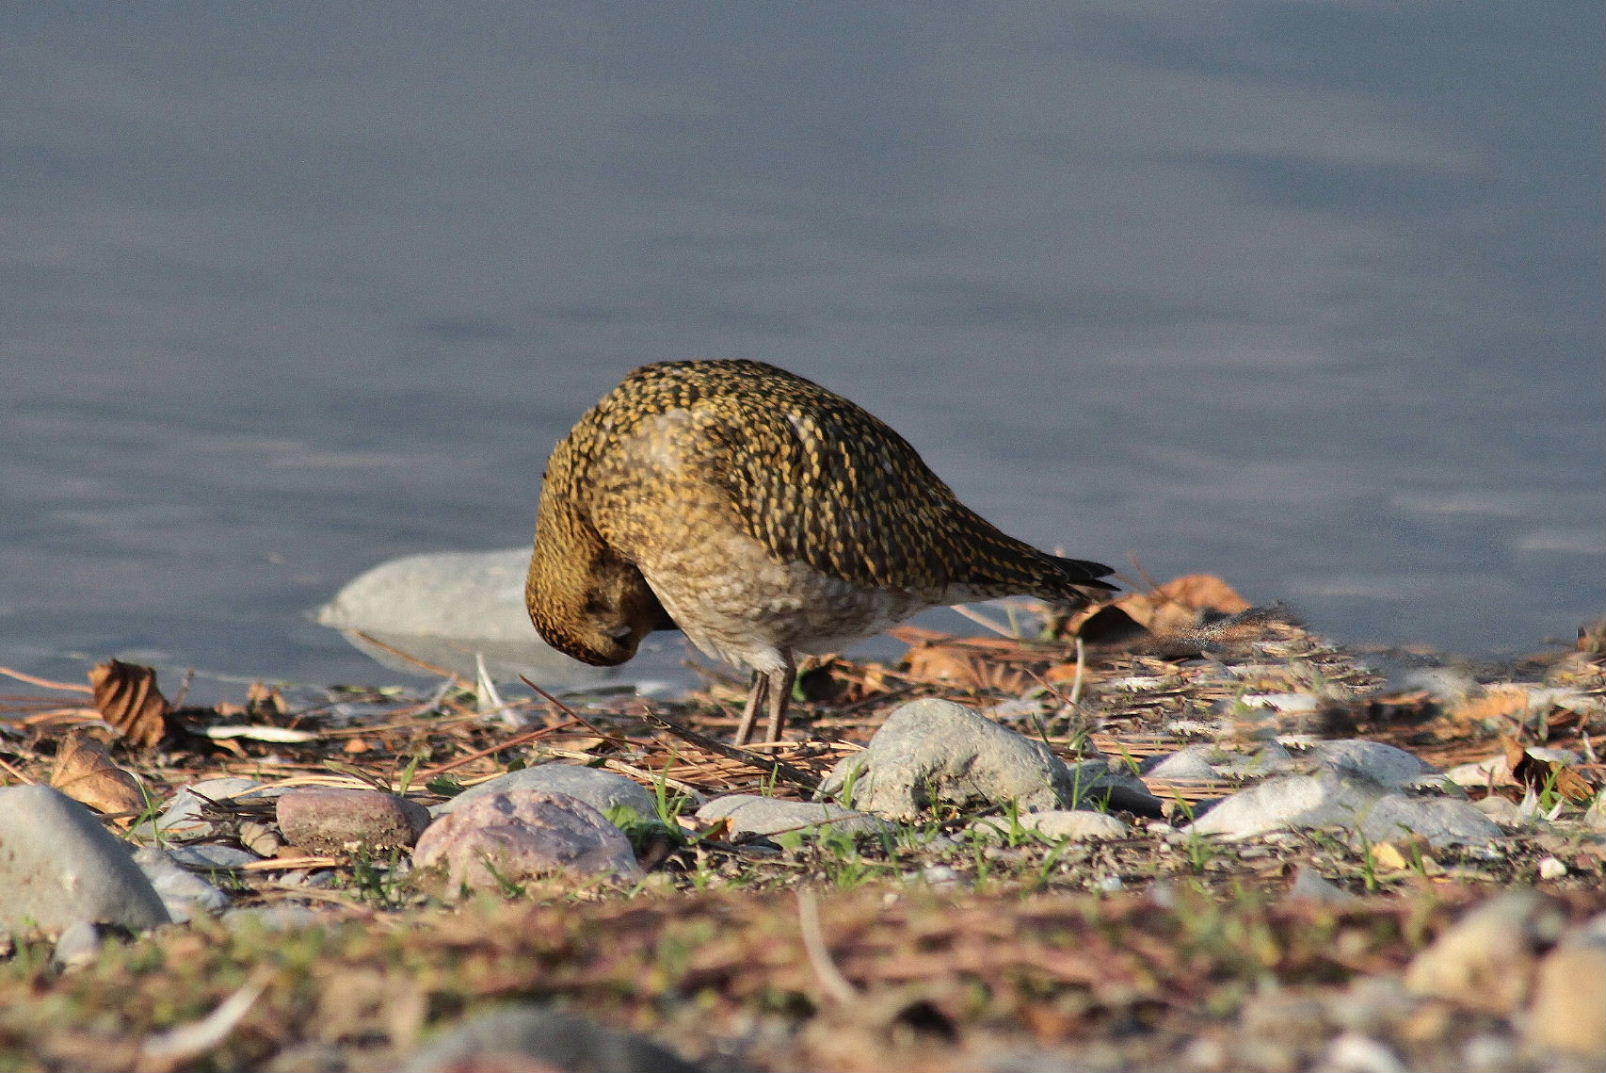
x: 585, y: 600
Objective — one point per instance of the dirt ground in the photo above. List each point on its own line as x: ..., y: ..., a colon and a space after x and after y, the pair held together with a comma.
x: 939, y: 950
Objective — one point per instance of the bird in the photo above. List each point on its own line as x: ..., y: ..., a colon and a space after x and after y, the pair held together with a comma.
x: 763, y: 516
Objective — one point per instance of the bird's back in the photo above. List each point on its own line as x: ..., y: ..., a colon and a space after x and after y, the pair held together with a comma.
x: 811, y: 477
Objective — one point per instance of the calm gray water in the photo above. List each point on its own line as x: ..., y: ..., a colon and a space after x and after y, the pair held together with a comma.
x: 1309, y: 296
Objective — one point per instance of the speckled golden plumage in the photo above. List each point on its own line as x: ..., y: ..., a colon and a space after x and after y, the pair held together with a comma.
x: 763, y: 516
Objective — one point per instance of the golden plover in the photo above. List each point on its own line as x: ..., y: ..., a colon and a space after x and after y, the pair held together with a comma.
x: 764, y: 517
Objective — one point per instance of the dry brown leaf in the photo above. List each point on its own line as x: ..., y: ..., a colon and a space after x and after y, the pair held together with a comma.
x: 1177, y: 605
x: 265, y: 701
x: 1497, y: 702
x: 127, y: 697
x: 84, y: 772
x: 1537, y: 775
x: 940, y: 663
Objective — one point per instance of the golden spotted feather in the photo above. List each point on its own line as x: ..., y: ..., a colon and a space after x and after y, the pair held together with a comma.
x: 763, y: 515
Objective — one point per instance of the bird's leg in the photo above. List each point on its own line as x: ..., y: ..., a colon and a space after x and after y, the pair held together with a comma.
x: 755, y: 696
x: 780, y: 690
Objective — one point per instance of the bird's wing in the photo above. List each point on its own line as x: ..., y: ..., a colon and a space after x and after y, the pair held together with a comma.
x: 818, y: 479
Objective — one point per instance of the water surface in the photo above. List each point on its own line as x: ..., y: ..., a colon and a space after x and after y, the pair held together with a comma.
x: 1309, y: 296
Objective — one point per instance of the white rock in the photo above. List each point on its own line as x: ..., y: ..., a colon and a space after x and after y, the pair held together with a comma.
x: 1310, y: 885
x: 602, y: 790
x: 1080, y: 825
x: 510, y: 837
x: 932, y: 751
x: 182, y: 817
x: 444, y: 608
x: 754, y: 814
x: 59, y: 867
x: 1193, y: 762
x: 1327, y: 799
x: 78, y: 945
x: 1351, y: 1052
x: 183, y: 892
x: 1382, y: 763
x: 211, y: 857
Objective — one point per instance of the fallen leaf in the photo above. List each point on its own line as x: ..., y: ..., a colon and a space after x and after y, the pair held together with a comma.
x: 1538, y: 775
x: 85, y: 772
x: 265, y: 701
x: 1181, y: 603
x: 127, y: 697
x: 1387, y: 856
x: 1496, y: 702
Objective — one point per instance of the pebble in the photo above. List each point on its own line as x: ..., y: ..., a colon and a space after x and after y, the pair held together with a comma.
x: 523, y: 834
x: 1351, y: 1052
x: 61, y: 867
x: 335, y: 820
x: 1190, y: 763
x: 78, y: 945
x: 941, y: 875
x: 1310, y: 885
x: 1568, y: 1011
x: 930, y: 751
x: 528, y: 1038
x: 602, y: 790
x: 1077, y: 825
x: 182, y: 817
x: 1486, y: 959
x: 211, y: 856
x: 183, y: 892
x: 753, y: 814
x: 1328, y: 799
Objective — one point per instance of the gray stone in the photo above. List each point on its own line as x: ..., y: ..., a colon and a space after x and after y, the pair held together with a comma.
x: 936, y: 751
x: 1443, y: 821
x: 510, y: 837
x: 59, y: 866
x: 1270, y: 759
x: 1327, y: 799
x: 534, y: 1037
x: 1194, y: 762
x: 602, y: 790
x: 446, y: 607
x: 752, y: 814
x: 78, y: 945
x: 1309, y: 885
x: 211, y: 857
x: 1078, y: 825
x: 183, y: 892
x: 182, y: 817
x: 1114, y: 788
x: 1381, y: 763
x: 328, y: 819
